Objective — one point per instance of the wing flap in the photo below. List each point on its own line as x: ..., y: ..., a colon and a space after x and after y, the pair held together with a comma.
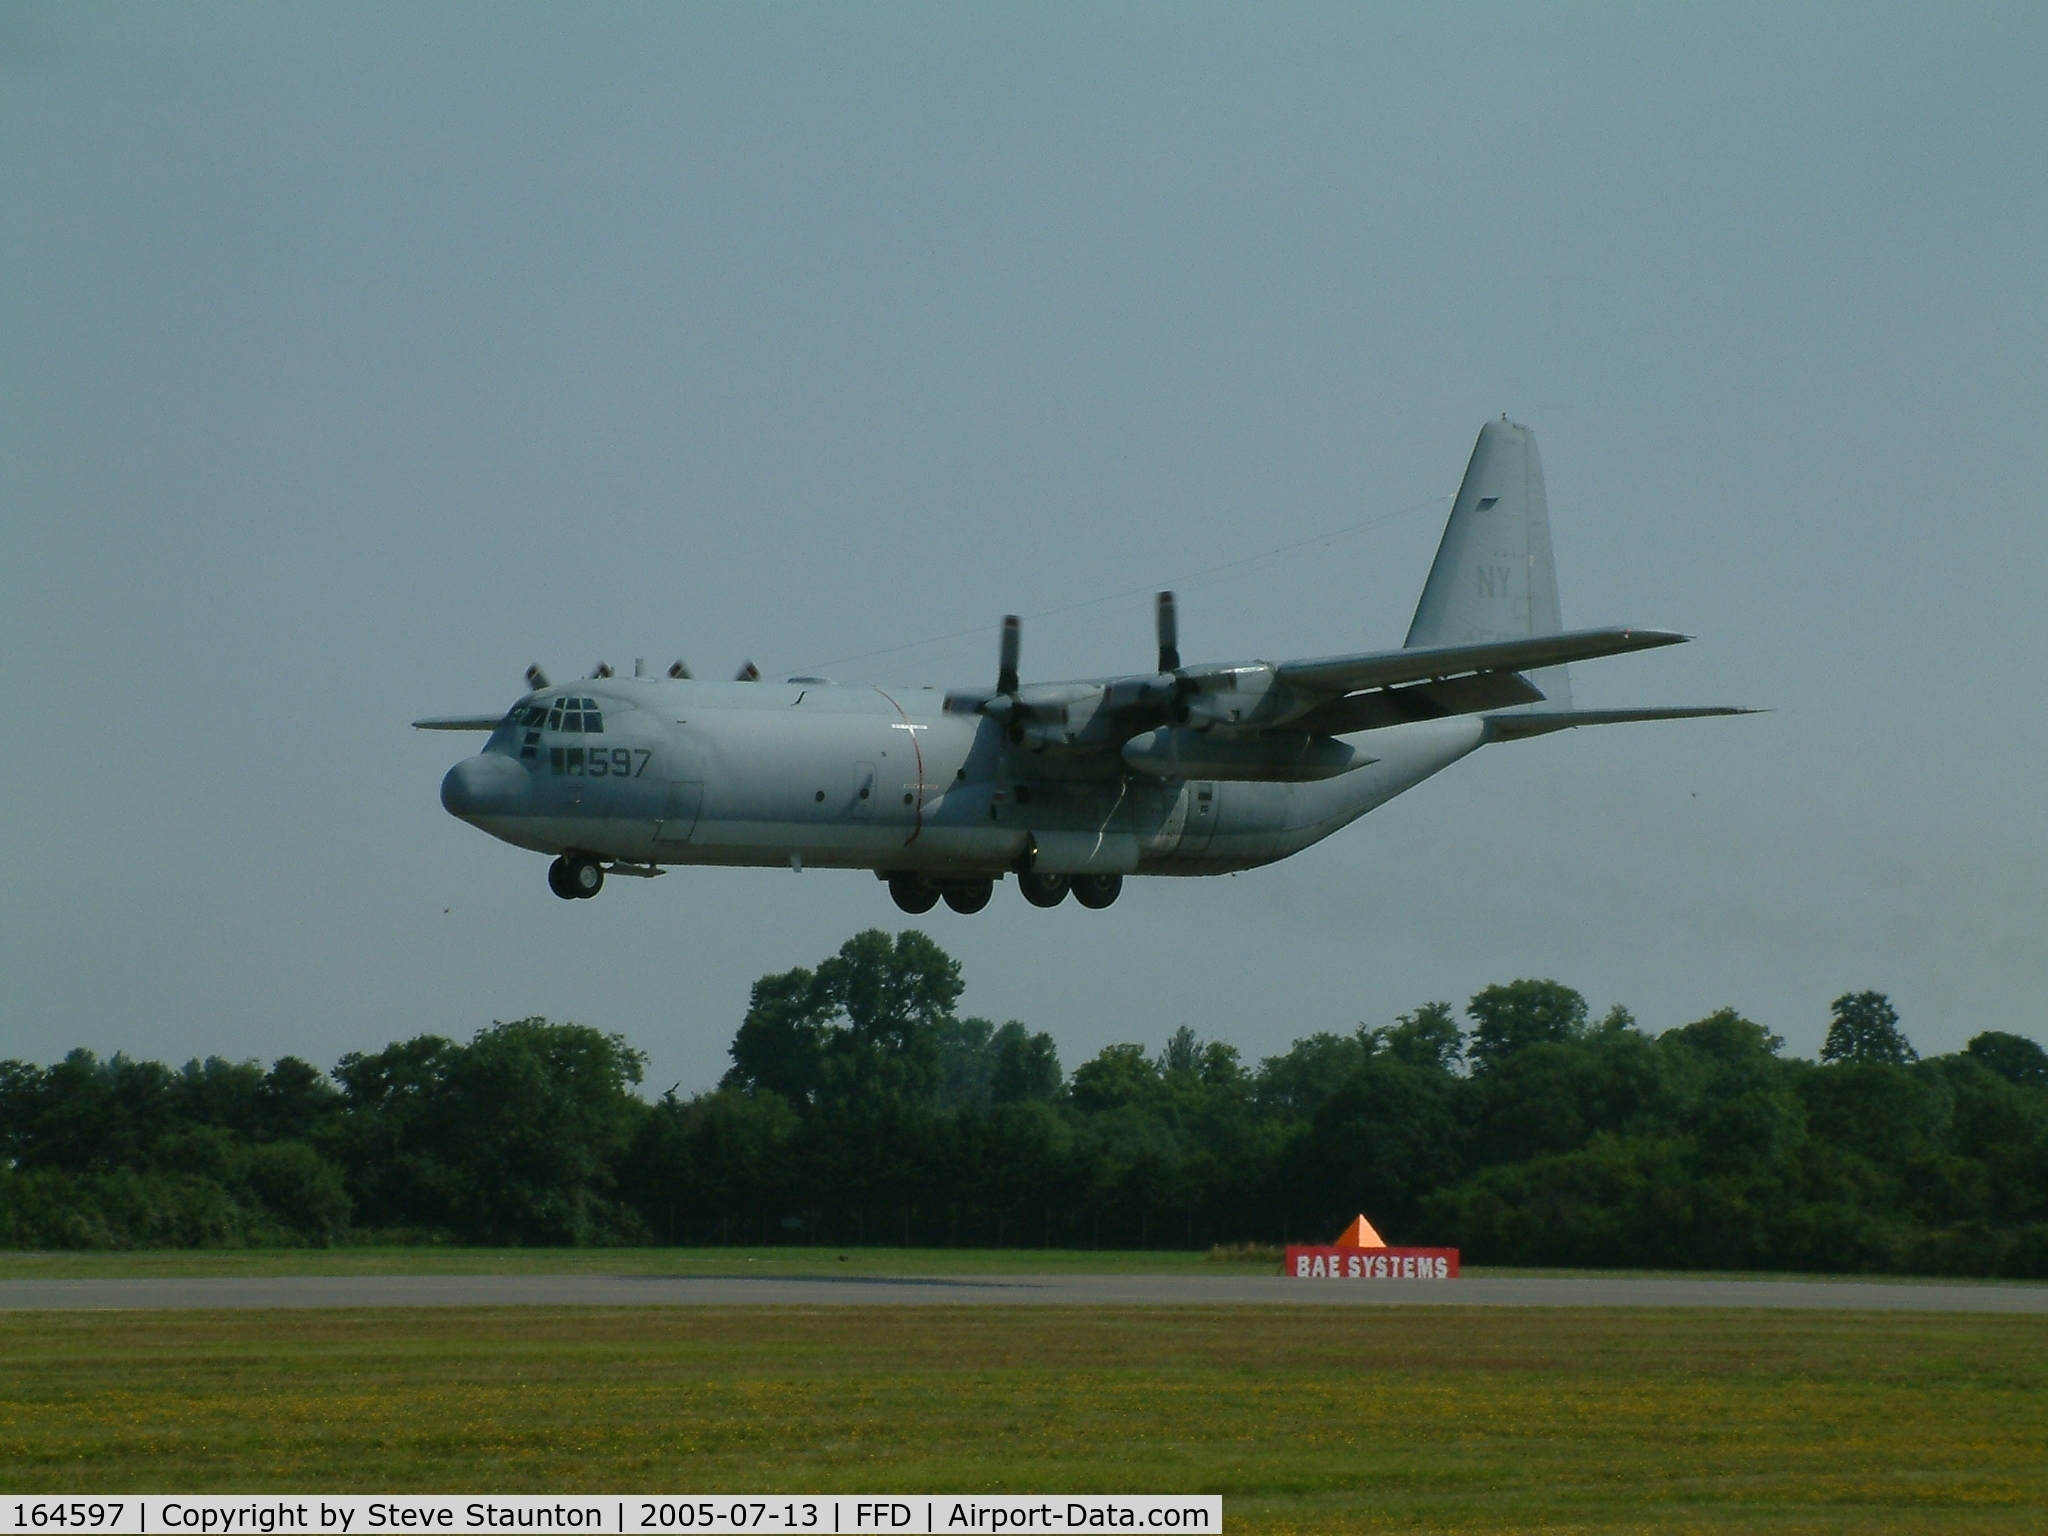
x: 1384, y: 669
x: 1472, y: 694
x: 1543, y: 722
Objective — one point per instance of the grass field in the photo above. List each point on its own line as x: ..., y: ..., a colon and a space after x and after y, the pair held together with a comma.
x: 1339, y: 1420
x: 604, y: 1261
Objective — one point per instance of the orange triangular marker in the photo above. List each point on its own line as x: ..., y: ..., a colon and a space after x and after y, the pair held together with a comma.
x: 1358, y: 1235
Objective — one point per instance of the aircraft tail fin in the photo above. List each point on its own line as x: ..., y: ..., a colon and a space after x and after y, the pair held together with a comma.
x: 1494, y: 576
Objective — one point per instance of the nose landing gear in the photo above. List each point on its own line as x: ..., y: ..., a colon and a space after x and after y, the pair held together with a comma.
x: 575, y: 878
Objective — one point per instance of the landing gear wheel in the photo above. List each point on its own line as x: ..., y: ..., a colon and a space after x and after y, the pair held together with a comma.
x: 584, y: 877
x: 912, y: 893
x: 971, y: 897
x: 1097, y: 891
x: 558, y: 880
x: 1043, y: 890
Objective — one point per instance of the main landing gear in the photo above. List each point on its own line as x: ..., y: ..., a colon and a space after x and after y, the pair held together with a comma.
x: 917, y: 894
x: 914, y: 893
x: 1097, y: 891
x: 573, y: 877
x: 1042, y: 890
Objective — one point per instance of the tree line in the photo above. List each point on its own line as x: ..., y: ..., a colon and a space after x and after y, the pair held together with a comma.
x: 861, y: 1109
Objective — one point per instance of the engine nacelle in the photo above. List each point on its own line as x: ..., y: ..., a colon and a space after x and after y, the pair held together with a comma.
x: 1184, y: 754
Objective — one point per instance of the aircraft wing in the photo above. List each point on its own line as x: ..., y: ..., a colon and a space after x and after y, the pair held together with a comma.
x: 459, y: 722
x: 1385, y: 669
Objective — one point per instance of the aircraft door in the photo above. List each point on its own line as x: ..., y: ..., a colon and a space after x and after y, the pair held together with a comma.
x: 1204, y: 805
x: 679, y: 812
x: 683, y: 766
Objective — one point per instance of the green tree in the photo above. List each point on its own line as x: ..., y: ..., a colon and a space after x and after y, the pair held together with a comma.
x: 1025, y: 1068
x: 1429, y: 1037
x: 872, y: 1021
x: 1116, y: 1077
x: 1314, y: 1067
x: 511, y: 1138
x: 1866, y: 1029
x: 966, y: 1063
x: 1725, y: 1038
x: 780, y: 1047
x: 2015, y: 1058
x: 1380, y: 1144
x: 1515, y: 1015
x: 891, y: 992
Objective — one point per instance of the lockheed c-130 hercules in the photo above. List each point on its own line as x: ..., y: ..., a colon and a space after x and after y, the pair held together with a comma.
x: 1183, y: 770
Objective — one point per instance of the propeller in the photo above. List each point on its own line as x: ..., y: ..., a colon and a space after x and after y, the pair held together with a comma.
x: 1169, y: 634
x: 602, y: 669
x: 535, y: 678
x: 1013, y: 645
x: 748, y: 673
x: 680, y: 669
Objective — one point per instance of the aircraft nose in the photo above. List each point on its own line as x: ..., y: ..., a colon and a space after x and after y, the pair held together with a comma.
x: 485, y: 785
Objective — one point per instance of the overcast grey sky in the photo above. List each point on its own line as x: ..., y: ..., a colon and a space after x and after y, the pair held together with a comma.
x: 355, y: 357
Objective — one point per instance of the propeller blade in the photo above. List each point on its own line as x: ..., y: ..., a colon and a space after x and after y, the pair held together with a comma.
x: 1169, y: 634
x: 748, y: 673
x: 679, y: 669
x: 602, y: 669
x: 1013, y: 645
x: 535, y: 678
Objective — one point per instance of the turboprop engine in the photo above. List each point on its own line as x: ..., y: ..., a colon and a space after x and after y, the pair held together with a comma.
x: 1290, y: 759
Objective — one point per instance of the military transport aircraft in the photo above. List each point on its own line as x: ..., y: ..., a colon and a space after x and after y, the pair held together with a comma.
x: 1184, y: 770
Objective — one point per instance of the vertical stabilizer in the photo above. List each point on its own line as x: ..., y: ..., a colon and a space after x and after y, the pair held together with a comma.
x: 1494, y: 578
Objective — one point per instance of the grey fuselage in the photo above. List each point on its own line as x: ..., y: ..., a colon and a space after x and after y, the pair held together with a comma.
x: 886, y: 779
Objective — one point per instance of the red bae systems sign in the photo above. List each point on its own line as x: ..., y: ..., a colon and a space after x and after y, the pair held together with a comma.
x: 1373, y: 1263
x: 1358, y: 1254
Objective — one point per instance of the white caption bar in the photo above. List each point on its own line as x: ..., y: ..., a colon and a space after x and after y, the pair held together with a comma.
x: 382, y: 1514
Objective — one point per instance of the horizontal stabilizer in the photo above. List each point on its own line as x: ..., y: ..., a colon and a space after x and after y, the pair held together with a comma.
x: 1543, y: 722
x: 1382, y: 669
x: 459, y: 722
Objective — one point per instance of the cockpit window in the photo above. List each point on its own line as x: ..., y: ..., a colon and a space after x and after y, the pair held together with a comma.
x: 578, y: 715
x: 507, y: 732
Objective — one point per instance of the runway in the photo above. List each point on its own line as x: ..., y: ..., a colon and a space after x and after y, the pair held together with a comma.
x: 240, y: 1294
